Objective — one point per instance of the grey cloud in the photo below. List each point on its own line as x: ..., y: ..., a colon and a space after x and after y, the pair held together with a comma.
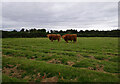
x: 64, y: 14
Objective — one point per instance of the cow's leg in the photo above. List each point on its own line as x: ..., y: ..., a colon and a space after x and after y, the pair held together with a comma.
x: 58, y: 40
x: 51, y: 40
x: 66, y: 40
x: 74, y: 40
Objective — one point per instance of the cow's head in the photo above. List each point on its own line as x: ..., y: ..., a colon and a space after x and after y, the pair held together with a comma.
x: 63, y: 36
x: 48, y: 35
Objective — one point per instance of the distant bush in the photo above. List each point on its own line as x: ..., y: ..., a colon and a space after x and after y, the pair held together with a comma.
x: 42, y: 33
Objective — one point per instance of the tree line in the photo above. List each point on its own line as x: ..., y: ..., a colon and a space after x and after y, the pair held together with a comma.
x: 31, y: 33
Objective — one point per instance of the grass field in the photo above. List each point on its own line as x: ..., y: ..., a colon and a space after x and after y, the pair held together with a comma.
x: 91, y: 59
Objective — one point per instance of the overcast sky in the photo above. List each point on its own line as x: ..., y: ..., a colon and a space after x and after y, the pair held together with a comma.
x: 60, y: 15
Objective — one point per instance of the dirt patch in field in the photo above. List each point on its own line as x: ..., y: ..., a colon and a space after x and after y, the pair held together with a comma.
x: 35, y: 77
x: 6, y: 55
x: 27, y: 78
x: 55, y: 61
x: 12, y: 71
x: 97, y: 68
x: 70, y: 63
x: 33, y: 58
x: 92, y: 57
x: 107, y: 59
x: 52, y: 49
x: 91, y: 68
x: 79, y: 55
x: 52, y: 79
x: 74, y: 80
x: 50, y: 54
x: 100, y: 68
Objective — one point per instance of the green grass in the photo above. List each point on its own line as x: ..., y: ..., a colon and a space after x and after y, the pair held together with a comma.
x: 36, y: 53
x: 67, y: 72
x: 6, y: 78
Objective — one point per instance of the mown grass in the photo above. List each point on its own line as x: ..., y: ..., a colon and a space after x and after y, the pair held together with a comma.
x: 67, y: 72
x: 96, y: 55
x: 6, y: 78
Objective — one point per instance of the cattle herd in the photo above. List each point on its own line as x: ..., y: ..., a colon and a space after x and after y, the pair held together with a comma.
x: 66, y: 37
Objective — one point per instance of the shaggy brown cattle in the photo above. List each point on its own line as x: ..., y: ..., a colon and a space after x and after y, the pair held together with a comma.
x: 54, y: 37
x: 71, y: 37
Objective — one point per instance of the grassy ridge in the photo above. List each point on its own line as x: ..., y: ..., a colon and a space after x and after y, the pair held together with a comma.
x: 94, y: 55
x: 67, y: 72
x: 6, y: 78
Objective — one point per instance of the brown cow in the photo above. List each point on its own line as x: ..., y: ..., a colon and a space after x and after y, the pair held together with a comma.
x: 70, y: 37
x: 54, y: 37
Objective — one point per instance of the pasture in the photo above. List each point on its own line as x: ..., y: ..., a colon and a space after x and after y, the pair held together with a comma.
x: 91, y: 59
